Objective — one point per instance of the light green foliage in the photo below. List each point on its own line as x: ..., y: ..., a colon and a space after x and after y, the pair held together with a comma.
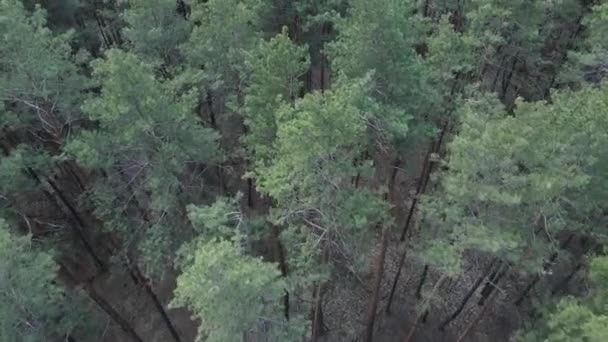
x: 274, y: 68
x: 380, y: 37
x: 450, y: 53
x: 34, y: 308
x: 572, y: 319
x: 514, y: 182
x: 222, y: 219
x: 233, y: 295
x: 317, y: 137
x: 146, y: 138
x: 38, y: 70
x: 155, y: 29
x: 310, y: 178
x: 224, y: 30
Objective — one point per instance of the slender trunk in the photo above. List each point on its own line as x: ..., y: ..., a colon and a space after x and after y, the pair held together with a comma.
x: 491, y: 285
x: 536, y: 277
x: 279, y: 256
x: 250, y: 192
x: 426, y: 8
x: 209, y: 102
x: 394, y: 286
x: 75, y: 216
x: 422, y: 317
x: 480, y: 315
x: 597, y: 248
x: 142, y: 279
x: 564, y: 283
x: 467, y: 297
x: 103, y: 305
x: 108, y: 309
x: 527, y: 290
x: 76, y: 228
x: 376, y: 286
x: 425, y: 272
x: 318, y: 326
x: 391, y: 182
x: 421, y: 180
x: 506, y: 82
x: 427, y: 169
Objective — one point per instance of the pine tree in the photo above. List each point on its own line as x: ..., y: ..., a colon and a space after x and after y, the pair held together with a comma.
x: 274, y: 70
x: 515, y: 182
x: 156, y: 30
x: 145, y: 140
x: 217, y: 268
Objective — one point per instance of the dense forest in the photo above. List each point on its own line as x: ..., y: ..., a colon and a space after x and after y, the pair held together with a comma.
x: 303, y: 170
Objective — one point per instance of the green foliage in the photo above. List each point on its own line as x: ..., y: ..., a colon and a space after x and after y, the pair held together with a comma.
x: 39, y: 76
x: 274, y: 68
x: 155, y: 30
x: 380, y: 37
x: 222, y: 219
x: 13, y: 169
x: 34, y: 308
x: 224, y: 30
x: 233, y: 295
x: 146, y: 138
x: 514, y: 182
x: 318, y: 141
x: 583, y: 319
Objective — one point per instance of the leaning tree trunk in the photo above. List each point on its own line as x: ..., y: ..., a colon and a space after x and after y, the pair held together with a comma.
x: 376, y: 286
x: 318, y: 326
x: 422, y: 317
x: 103, y: 305
x: 467, y: 297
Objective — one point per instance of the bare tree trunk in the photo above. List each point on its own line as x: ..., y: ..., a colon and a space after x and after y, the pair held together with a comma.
x: 422, y: 317
x: 376, y: 286
x: 564, y: 283
x: 137, y: 274
x: 492, y: 284
x: 103, y: 305
x: 536, y: 277
x: 425, y: 272
x: 279, y: 256
x: 318, y: 326
x: 467, y: 297
x: 425, y: 174
x: 476, y: 320
x: 394, y: 286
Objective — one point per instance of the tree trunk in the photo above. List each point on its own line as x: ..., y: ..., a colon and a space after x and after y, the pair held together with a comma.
x: 491, y: 285
x: 137, y: 274
x: 318, y: 326
x: 467, y: 297
x: 419, y: 319
x: 536, y: 277
x: 564, y: 283
x: 425, y: 174
x: 527, y: 290
x: 394, y: 286
x: 476, y: 320
x: 391, y: 182
x: 279, y: 256
x: 376, y: 286
x: 103, y: 305
x: 79, y: 226
x: 425, y: 272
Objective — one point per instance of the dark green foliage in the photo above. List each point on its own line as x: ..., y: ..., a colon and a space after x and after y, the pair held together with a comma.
x: 34, y: 306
